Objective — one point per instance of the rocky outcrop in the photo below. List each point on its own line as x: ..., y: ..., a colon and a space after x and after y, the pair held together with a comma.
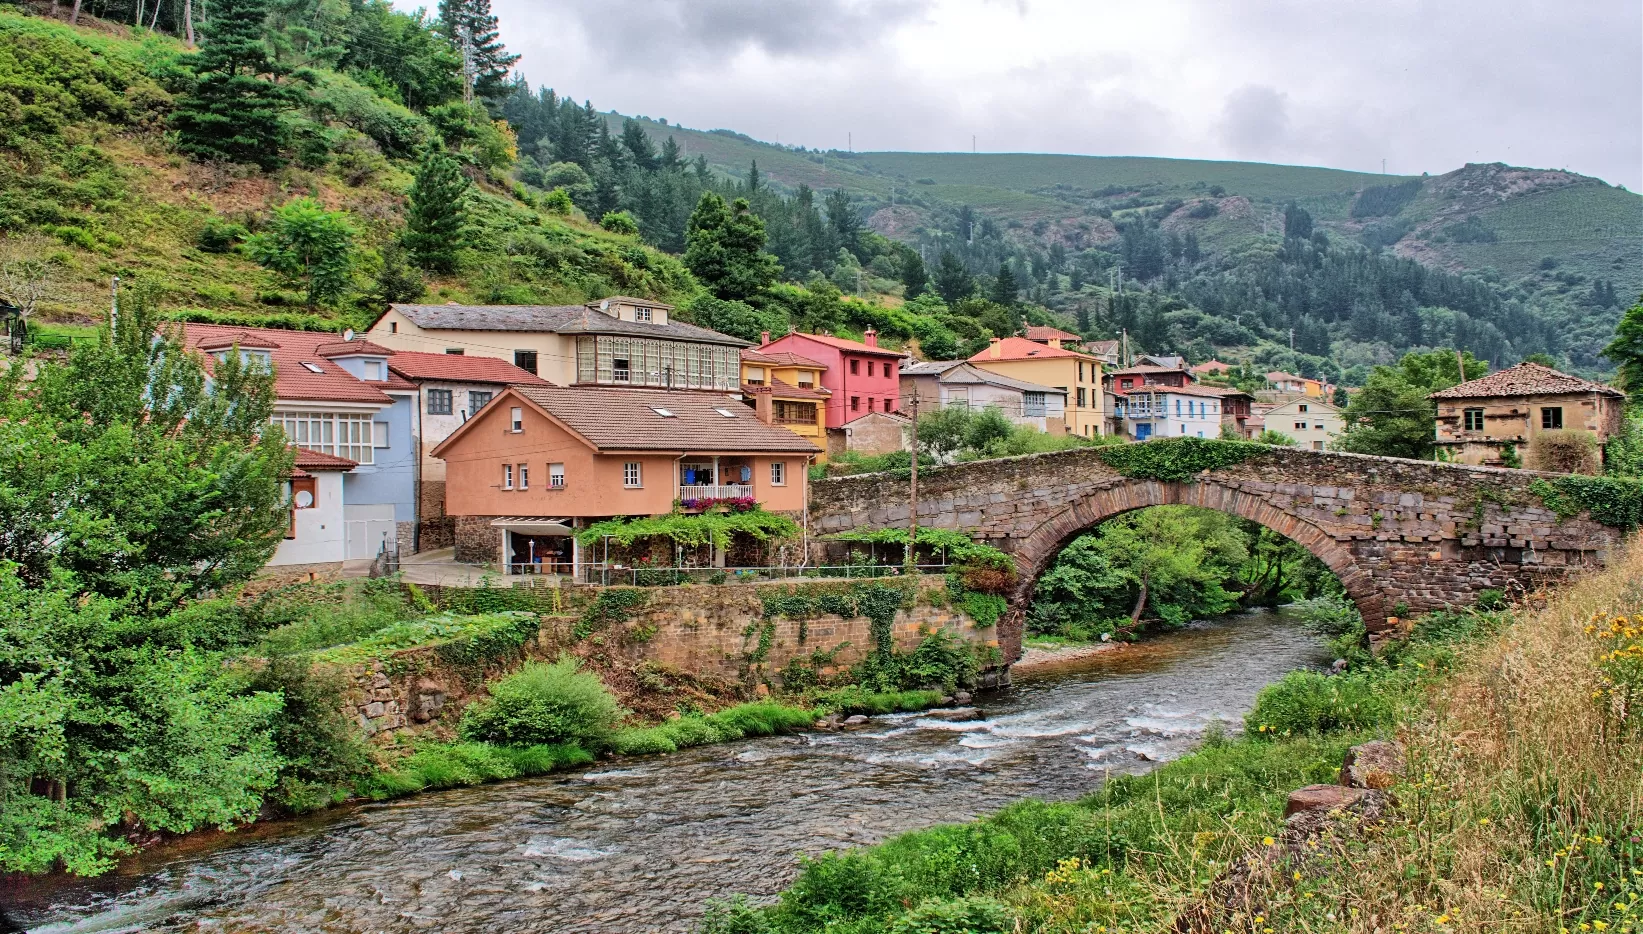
x: 1377, y: 764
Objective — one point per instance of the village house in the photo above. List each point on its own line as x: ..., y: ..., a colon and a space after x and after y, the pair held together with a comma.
x: 1107, y: 352
x: 1068, y: 371
x: 616, y: 341
x: 1161, y: 411
x: 957, y: 383
x: 860, y: 376
x: 1280, y: 382
x: 1520, y: 407
x: 540, y: 462
x: 1146, y: 375
x: 353, y: 492
x: 786, y: 389
x: 1210, y: 368
x: 1313, y: 423
x: 450, y: 389
x: 1051, y: 337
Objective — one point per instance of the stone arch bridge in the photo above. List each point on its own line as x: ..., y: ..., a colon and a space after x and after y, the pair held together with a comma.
x: 1395, y: 531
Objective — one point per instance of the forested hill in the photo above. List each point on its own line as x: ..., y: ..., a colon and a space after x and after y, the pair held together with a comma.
x: 311, y: 162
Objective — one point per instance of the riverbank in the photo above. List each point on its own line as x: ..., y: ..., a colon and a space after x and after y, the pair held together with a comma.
x: 1048, y: 655
x: 1521, y: 811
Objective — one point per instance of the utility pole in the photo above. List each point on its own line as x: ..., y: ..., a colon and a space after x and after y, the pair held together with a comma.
x: 850, y: 142
x: 1291, y: 338
x: 972, y: 144
x: 912, y: 493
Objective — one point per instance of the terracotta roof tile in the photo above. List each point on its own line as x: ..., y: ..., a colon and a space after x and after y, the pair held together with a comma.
x: 779, y: 358
x: 1045, y: 333
x: 627, y: 420
x: 350, y: 348
x: 459, y: 368
x: 784, y: 390
x: 843, y: 344
x: 293, y: 352
x: 1525, y: 379
x: 1020, y: 348
x: 318, y: 460
x: 1145, y: 368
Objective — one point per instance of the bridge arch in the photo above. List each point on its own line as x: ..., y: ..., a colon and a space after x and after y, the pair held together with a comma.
x: 1037, y: 549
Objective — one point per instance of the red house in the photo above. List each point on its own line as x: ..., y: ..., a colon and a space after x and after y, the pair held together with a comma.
x: 863, y: 377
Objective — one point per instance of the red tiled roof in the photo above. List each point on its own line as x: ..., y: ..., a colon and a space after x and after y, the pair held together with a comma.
x: 348, y: 348
x: 1020, y: 348
x: 1046, y: 333
x: 1525, y: 379
x: 627, y: 420
x: 317, y: 460
x: 1211, y: 366
x: 1143, y: 368
x: 842, y: 344
x: 1279, y: 376
x: 459, y: 368
x: 289, y: 351
x: 785, y: 390
x: 238, y: 338
x: 779, y: 358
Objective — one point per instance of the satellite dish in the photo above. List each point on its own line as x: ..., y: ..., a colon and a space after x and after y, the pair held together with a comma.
x: 604, y: 305
x: 304, y: 499
x: 348, y: 335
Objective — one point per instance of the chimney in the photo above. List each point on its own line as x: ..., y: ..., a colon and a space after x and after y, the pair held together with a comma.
x: 995, y: 348
x: 871, y: 337
x: 764, y: 338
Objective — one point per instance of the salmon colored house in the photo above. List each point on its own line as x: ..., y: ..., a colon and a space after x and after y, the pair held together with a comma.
x: 540, y: 462
x: 863, y: 377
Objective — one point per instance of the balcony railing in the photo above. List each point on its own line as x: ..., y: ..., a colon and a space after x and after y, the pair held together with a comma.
x: 715, y: 491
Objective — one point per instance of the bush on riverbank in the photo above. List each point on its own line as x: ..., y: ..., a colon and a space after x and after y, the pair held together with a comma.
x: 1524, y: 805
x: 543, y: 704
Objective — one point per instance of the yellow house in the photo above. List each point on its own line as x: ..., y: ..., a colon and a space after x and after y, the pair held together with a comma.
x: 1077, y: 374
x: 786, y: 390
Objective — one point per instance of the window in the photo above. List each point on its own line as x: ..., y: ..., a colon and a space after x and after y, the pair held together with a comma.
x: 525, y: 360
x: 778, y: 473
x: 665, y: 413
x: 855, y: 403
x: 1473, y: 419
x: 455, y: 351
x: 477, y: 400
x: 524, y: 476
x: 855, y: 367
x: 755, y: 376
x: 556, y: 476
x: 889, y: 405
x: 641, y: 314
x: 807, y: 379
x: 620, y: 370
x: 393, y: 327
x: 1082, y: 399
x: 516, y: 418
x: 312, y: 367
x: 1300, y: 426
x: 1178, y: 407
x: 439, y: 402
x: 795, y: 413
x: 869, y: 403
x: 379, y: 434
x: 344, y: 435
x: 631, y: 477
x: 1551, y: 416
x: 1302, y: 407
x: 507, y: 476
x: 869, y: 368
x: 1033, y: 405
x: 373, y: 370
x: 725, y: 412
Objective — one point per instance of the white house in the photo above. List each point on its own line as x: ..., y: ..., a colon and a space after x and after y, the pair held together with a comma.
x: 955, y: 382
x: 1171, y: 412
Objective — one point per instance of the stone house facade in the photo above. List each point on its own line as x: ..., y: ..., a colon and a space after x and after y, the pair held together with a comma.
x: 1480, y: 419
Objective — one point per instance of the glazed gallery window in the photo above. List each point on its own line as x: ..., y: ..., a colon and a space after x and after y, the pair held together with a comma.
x: 344, y: 435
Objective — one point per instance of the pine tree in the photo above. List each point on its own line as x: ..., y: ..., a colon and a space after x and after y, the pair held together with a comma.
x: 913, y: 275
x: 846, y: 224
x: 670, y: 158
x: 1297, y: 222
x: 753, y: 180
x: 724, y: 247
x: 234, y: 109
x: 438, y: 212
x: 952, y: 281
x: 1005, y: 289
x: 471, y: 27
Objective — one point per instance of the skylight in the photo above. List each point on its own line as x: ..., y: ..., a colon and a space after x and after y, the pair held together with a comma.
x: 661, y: 411
x: 313, y: 367
x: 726, y: 413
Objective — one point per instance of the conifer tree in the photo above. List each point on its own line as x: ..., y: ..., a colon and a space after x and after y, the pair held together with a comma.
x: 913, y: 275
x: 471, y: 27
x: 952, y: 280
x: 233, y: 111
x: 724, y: 247
x: 438, y: 212
x: 1005, y: 288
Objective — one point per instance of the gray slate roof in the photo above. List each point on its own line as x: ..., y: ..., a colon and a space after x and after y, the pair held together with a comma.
x: 554, y: 319
x: 975, y: 374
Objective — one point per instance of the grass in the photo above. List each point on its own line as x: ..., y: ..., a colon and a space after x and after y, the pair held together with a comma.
x: 1521, y: 808
x: 415, y: 633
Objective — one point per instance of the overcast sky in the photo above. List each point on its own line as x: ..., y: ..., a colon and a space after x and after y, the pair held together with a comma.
x: 1345, y: 83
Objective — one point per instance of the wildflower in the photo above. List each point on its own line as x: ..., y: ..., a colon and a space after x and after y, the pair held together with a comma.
x: 1441, y: 919
x: 1598, y: 886
x: 1267, y: 841
x: 1483, y: 821
x: 1599, y: 925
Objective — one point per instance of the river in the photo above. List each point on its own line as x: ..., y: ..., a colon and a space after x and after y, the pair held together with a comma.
x: 640, y: 844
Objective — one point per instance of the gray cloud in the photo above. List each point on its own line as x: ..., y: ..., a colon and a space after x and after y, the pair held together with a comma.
x: 1255, y: 121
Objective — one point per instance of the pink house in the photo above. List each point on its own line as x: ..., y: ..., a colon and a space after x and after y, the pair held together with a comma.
x: 863, y: 377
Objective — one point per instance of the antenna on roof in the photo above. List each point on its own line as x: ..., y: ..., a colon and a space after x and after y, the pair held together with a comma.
x: 348, y: 335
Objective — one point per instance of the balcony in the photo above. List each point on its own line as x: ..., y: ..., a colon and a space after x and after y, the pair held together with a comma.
x: 715, y: 491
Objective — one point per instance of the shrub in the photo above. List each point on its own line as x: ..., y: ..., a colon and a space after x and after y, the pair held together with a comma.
x: 557, y: 202
x: 977, y: 915
x: 317, y: 745
x: 220, y: 236
x: 941, y: 659
x: 544, y: 703
x: 1565, y: 451
x: 620, y: 222
x: 1308, y: 702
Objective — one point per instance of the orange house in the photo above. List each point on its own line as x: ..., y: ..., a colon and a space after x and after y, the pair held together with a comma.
x: 540, y: 462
